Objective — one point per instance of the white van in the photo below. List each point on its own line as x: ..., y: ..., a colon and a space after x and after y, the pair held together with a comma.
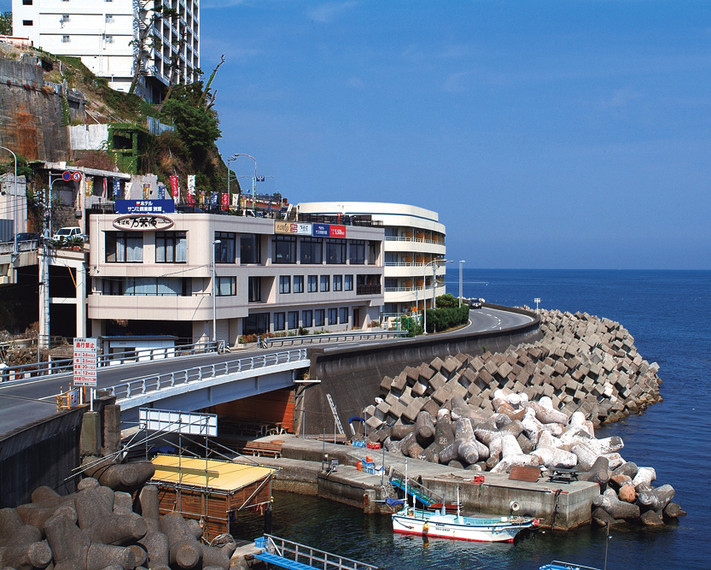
x: 68, y: 233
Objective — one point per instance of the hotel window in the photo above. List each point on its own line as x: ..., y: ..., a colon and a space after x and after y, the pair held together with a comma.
x: 250, y: 248
x: 311, y: 250
x: 109, y: 39
x: 348, y: 282
x: 298, y: 283
x: 336, y: 251
x: 65, y: 39
x: 226, y: 286
x: 312, y: 284
x: 343, y: 315
x: 333, y: 316
x: 284, y: 284
x: 279, y: 321
x: 307, y: 318
x: 338, y: 282
x: 293, y: 319
x: 284, y: 249
x: 109, y: 18
x: 325, y: 283
x: 225, y: 250
x: 27, y: 2
x: 171, y: 247
x: 255, y: 289
x: 373, y: 249
x: 320, y: 317
x: 124, y: 247
x: 357, y: 252
x: 27, y: 22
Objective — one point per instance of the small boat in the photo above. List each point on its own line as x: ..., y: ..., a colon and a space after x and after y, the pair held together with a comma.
x: 457, y: 526
x: 440, y: 524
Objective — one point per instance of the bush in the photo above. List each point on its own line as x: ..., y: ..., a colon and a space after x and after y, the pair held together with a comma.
x: 412, y: 326
x: 446, y: 318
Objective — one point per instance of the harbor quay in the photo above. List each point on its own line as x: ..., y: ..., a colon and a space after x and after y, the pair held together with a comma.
x: 330, y: 471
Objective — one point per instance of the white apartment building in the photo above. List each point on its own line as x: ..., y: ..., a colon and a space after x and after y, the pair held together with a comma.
x: 102, y: 34
x: 414, y: 242
x: 154, y: 275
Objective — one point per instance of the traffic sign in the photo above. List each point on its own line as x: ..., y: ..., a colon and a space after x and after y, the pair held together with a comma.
x: 85, y: 358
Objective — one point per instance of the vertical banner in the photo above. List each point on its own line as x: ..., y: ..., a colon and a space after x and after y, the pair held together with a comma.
x: 191, y: 189
x: 174, y: 191
x: 146, y: 191
x: 117, y: 189
x: 213, y: 200
x: 161, y: 191
x: 225, y: 201
x: 89, y: 188
x: 104, y: 188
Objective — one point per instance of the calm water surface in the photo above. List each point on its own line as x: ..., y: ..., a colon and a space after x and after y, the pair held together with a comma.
x: 668, y: 314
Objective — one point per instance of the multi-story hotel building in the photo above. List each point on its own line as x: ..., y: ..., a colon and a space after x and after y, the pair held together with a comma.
x: 413, y: 248
x: 105, y: 34
x: 183, y: 274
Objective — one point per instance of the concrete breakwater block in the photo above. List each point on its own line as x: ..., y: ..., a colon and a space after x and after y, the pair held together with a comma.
x: 534, y: 404
x: 96, y: 528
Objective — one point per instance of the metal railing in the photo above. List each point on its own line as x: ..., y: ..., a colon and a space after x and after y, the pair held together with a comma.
x: 354, y: 336
x: 63, y: 365
x: 312, y: 557
x: 155, y: 382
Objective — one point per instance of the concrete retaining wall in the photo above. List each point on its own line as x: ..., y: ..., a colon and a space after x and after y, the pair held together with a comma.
x: 353, y: 375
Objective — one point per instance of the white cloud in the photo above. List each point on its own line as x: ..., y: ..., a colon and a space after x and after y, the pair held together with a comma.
x: 327, y: 12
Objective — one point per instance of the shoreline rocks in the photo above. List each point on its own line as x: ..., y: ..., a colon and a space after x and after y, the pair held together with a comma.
x: 533, y: 405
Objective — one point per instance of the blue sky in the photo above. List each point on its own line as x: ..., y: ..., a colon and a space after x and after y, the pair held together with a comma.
x: 547, y: 134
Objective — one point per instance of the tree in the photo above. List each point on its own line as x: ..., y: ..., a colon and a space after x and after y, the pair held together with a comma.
x: 144, y: 20
x: 6, y: 24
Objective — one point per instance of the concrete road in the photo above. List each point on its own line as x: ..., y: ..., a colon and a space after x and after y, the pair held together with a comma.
x: 25, y: 401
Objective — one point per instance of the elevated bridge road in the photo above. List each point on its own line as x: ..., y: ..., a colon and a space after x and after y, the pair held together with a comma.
x: 31, y: 399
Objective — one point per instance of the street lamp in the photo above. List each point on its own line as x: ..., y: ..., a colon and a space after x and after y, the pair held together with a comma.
x: 536, y: 301
x: 433, y: 263
x: 461, y: 261
x: 254, y: 180
x: 214, y: 291
x: 16, y: 214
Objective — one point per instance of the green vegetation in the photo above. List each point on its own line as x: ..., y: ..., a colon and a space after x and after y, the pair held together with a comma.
x: 6, y: 24
x: 411, y: 325
x: 447, y: 315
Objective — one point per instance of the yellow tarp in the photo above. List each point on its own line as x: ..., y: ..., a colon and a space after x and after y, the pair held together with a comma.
x: 221, y: 475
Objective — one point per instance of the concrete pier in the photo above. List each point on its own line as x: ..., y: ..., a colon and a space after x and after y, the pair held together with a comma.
x: 303, y: 470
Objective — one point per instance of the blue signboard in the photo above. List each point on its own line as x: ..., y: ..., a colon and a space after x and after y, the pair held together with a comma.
x: 144, y: 206
x: 320, y: 230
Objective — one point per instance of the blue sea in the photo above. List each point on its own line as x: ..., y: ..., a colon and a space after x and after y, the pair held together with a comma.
x: 667, y: 313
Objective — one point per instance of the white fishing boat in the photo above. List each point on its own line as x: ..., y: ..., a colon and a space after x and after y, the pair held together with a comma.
x: 461, y: 527
x: 440, y: 524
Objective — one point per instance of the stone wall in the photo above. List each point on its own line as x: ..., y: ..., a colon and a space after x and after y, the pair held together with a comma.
x: 33, y: 114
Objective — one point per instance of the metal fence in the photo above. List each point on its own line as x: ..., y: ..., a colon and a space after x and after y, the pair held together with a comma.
x: 155, y: 382
x: 326, y: 338
x: 64, y: 365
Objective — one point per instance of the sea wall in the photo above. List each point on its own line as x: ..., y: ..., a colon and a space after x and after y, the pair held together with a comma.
x: 582, y: 363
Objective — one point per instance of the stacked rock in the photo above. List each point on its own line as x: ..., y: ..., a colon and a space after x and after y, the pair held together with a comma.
x: 520, y: 432
x: 582, y: 363
x: 97, y: 528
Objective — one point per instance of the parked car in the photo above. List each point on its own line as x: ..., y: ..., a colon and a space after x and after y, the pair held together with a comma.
x: 28, y: 236
x: 67, y: 233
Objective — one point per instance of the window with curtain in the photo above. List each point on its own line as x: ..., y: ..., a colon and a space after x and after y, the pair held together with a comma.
x: 226, y: 286
x: 320, y: 317
x: 357, y: 252
x: 171, y: 247
x: 124, y: 247
x: 284, y: 249
x: 298, y: 283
